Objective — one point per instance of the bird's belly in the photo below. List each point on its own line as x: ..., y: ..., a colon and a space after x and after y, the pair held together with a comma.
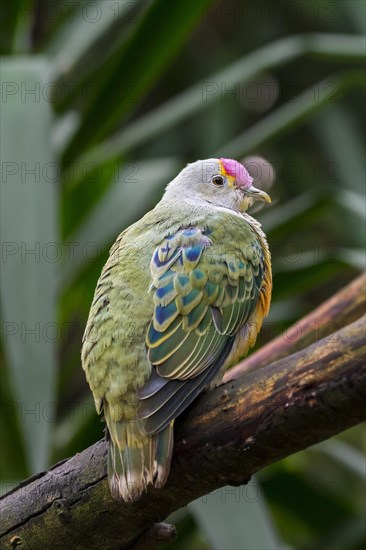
x: 114, y: 350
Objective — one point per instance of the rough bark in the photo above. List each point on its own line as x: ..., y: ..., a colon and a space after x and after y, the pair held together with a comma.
x: 224, y: 438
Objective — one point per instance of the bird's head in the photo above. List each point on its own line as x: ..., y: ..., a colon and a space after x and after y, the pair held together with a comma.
x: 220, y: 182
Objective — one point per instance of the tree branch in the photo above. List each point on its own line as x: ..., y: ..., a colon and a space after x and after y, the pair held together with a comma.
x: 343, y: 308
x: 224, y: 438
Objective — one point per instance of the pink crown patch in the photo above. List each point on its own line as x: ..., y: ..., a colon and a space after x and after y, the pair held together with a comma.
x: 238, y: 171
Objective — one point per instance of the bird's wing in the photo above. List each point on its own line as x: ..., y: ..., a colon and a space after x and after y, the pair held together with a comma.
x: 203, y: 295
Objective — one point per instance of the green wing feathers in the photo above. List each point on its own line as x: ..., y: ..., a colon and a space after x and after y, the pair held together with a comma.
x: 202, y: 297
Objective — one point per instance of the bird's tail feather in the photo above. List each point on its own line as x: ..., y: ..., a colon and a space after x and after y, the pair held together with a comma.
x: 136, y: 459
x: 163, y: 455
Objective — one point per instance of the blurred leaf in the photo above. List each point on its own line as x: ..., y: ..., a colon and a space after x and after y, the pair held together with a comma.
x: 301, y: 259
x: 293, y: 211
x: 74, y: 41
x: 13, y: 465
x: 356, y: 12
x: 117, y: 209
x: 71, y: 434
x: 303, y: 509
x: 233, y: 518
x: 29, y: 233
x: 135, y: 68
x: 63, y: 128
x: 11, y: 11
x: 290, y: 278
x: 348, y: 456
x: 353, y: 201
x: 349, y: 534
x: 285, y: 311
x: 93, y: 185
x: 353, y: 257
x: 83, y: 50
x: 207, y: 90
x: 291, y: 114
x: 341, y: 138
x: 349, y: 169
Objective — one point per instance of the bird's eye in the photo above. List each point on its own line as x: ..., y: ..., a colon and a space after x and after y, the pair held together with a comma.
x: 218, y: 181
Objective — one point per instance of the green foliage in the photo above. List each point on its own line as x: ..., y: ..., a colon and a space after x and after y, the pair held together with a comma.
x: 29, y: 226
x: 105, y: 104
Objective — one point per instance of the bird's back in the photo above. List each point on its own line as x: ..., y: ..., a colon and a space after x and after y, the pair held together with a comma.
x: 232, y: 251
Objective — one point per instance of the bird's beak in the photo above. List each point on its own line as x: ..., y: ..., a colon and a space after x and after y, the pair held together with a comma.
x: 257, y: 194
